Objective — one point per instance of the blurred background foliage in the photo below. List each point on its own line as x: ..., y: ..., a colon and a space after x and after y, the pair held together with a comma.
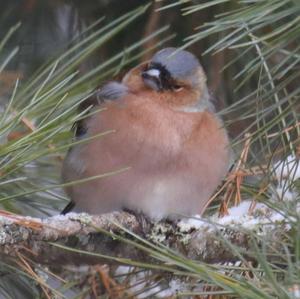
x: 54, y: 53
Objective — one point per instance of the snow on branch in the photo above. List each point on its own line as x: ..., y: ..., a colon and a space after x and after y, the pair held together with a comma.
x: 42, y: 239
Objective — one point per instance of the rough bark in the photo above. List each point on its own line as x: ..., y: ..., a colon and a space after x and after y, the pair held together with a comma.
x: 40, y: 238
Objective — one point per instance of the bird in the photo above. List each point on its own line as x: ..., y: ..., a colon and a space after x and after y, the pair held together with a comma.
x: 164, y: 129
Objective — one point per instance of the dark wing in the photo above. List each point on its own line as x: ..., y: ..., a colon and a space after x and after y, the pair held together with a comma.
x: 109, y: 92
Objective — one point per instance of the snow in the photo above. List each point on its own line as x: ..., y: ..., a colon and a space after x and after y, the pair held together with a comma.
x: 239, y: 210
x: 289, y: 168
x: 142, y: 287
x: 237, y: 216
x: 175, y: 285
x: 139, y: 285
x: 285, y: 193
x: 194, y: 222
x: 287, y: 172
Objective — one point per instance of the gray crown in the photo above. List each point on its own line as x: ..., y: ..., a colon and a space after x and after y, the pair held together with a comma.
x: 180, y: 64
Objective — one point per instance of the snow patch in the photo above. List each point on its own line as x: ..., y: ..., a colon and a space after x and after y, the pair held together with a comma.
x: 194, y: 222
x: 289, y: 168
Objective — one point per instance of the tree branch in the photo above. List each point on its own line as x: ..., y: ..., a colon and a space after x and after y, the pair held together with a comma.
x: 42, y: 239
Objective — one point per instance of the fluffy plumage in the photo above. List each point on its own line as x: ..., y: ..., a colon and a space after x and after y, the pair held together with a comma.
x: 165, y: 131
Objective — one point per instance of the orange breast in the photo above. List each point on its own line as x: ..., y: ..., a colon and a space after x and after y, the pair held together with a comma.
x: 177, y: 159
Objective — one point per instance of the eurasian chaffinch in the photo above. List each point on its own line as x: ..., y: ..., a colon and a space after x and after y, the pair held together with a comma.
x: 166, y: 131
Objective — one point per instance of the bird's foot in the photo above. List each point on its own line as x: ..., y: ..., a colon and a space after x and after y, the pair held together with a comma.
x: 143, y: 220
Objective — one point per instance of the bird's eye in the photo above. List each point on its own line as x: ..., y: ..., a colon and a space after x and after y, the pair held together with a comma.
x: 177, y: 88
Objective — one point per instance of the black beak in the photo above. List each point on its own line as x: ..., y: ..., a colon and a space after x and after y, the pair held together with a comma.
x: 152, y: 79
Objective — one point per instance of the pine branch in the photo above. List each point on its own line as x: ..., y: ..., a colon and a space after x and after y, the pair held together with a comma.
x: 43, y: 239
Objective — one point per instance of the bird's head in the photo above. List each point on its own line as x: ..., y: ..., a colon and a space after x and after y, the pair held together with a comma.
x: 174, y: 76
